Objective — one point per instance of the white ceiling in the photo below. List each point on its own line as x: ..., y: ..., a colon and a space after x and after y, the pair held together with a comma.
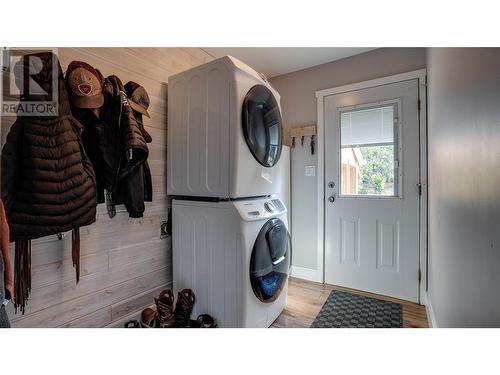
x: 275, y: 61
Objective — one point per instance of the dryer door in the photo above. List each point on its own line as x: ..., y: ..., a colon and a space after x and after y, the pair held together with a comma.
x: 271, y: 260
x: 262, y: 127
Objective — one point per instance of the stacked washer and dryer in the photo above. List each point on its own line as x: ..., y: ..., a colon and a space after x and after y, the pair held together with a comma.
x: 231, y: 243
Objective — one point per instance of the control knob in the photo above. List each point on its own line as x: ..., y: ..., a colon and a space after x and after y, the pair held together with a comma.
x: 269, y: 207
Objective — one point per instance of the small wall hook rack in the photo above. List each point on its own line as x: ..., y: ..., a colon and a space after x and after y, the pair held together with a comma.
x: 302, y: 132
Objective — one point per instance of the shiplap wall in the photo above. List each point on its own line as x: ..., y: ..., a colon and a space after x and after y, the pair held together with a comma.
x: 124, y: 262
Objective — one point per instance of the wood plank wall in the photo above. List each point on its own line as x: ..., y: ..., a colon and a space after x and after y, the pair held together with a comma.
x: 124, y: 262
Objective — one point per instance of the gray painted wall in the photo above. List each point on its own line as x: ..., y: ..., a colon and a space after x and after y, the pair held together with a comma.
x: 298, y: 103
x: 464, y: 186
x: 304, y: 217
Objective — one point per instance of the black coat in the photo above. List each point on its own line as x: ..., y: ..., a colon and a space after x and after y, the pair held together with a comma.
x: 137, y: 183
x: 94, y: 136
x: 117, y: 148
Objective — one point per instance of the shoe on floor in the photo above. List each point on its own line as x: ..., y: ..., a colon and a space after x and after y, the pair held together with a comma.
x: 191, y: 323
x: 149, y: 318
x: 184, y: 307
x: 132, y: 324
x: 135, y: 324
x: 165, y: 307
x: 206, y: 321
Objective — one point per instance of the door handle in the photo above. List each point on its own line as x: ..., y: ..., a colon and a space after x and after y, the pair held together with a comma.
x: 331, y: 198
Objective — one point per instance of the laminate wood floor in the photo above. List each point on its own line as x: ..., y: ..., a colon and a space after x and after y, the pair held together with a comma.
x: 305, y: 299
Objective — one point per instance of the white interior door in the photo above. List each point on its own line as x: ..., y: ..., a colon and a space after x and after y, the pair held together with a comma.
x: 372, y: 192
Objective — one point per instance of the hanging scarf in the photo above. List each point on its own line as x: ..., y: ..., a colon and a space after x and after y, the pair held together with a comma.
x: 4, y: 246
x: 22, y: 266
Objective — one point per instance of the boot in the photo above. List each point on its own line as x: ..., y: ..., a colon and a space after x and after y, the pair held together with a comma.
x: 149, y: 318
x: 184, y: 307
x: 165, y: 308
x: 191, y: 323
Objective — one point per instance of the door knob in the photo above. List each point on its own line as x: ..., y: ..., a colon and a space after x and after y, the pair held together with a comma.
x: 331, y: 199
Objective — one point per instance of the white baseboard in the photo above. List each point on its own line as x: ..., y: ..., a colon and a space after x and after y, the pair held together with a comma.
x: 430, y: 312
x: 423, y: 298
x: 307, y: 274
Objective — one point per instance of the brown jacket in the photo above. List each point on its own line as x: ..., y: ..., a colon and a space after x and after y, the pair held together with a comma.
x: 48, y: 184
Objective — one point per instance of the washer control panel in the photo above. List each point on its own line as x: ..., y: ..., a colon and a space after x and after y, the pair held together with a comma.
x: 259, y: 209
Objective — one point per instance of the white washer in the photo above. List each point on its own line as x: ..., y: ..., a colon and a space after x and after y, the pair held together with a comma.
x: 235, y: 256
x: 224, y: 132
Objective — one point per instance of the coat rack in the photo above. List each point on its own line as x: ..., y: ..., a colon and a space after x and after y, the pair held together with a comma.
x: 302, y: 132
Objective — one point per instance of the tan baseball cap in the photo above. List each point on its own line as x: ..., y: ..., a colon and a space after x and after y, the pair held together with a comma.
x: 139, y: 98
x: 85, y: 85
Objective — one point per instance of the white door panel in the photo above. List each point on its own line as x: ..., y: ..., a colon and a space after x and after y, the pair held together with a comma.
x: 372, y: 207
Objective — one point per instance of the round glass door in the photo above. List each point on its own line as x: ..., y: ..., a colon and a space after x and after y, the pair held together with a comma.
x: 262, y: 126
x: 270, y: 261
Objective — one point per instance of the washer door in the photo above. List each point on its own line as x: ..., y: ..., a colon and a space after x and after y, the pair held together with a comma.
x: 270, y: 261
x: 262, y: 126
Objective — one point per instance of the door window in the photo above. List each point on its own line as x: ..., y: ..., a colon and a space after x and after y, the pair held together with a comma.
x: 262, y: 125
x: 369, y: 160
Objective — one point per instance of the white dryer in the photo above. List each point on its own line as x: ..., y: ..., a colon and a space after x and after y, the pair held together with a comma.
x: 235, y: 256
x: 224, y: 132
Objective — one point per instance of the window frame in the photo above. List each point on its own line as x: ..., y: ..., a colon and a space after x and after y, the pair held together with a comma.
x: 398, y: 150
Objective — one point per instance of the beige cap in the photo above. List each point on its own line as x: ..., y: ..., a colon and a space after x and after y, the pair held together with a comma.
x: 139, y: 98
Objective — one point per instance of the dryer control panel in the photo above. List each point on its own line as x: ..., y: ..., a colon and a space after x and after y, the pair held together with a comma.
x: 259, y: 209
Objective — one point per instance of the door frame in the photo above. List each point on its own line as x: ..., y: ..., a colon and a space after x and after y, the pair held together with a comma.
x: 421, y: 76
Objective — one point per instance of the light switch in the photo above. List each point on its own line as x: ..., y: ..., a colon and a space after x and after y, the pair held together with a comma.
x: 310, y: 170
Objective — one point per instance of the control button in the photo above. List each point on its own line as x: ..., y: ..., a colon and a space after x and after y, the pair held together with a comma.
x: 269, y: 207
x: 277, y: 203
x: 254, y: 213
